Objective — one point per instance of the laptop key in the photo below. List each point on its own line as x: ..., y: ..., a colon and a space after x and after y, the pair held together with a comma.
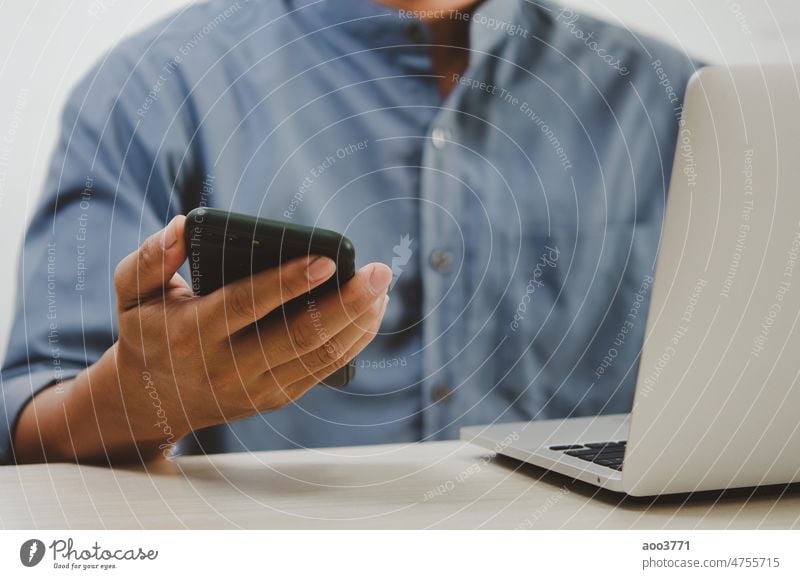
x: 566, y: 447
x: 603, y: 445
x: 611, y: 453
x: 582, y: 453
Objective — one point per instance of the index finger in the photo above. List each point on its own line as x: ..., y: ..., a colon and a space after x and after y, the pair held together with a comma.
x: 241, y: 303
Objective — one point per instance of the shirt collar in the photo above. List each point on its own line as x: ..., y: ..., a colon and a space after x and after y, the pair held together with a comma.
x: 493, y: 23
x: 364, y: 18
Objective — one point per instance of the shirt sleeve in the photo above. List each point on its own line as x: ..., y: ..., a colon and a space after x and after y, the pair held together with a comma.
x: 119, y: 172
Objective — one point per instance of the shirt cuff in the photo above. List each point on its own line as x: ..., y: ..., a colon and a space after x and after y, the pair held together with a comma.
x: 16, y: 390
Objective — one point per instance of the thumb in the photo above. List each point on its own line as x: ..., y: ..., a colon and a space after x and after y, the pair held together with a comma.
x: 147, y: 270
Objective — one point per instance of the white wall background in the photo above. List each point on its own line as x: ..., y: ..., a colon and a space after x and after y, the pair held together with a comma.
x: 45, y: 45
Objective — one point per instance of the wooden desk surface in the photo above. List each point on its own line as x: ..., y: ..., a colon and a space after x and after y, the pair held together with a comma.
x: 431, y: 485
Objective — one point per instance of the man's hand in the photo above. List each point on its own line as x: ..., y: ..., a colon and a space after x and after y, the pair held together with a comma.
x: 184, y: 362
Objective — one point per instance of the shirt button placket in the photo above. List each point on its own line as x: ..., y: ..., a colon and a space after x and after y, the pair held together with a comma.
x: 438, y: 228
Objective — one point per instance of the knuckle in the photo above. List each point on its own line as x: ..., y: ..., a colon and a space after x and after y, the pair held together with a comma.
x: 125, y: 278
x: 241, y: 303
x: 119, y: 276
x: 304, y: 338
x: 329, y: 353
x: 340, y: 362
x: 149, y: 254
x: 292, y: 285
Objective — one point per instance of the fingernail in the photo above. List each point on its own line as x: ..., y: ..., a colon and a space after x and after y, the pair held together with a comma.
x: 319, y: 269
x: 169, y: 237
x: 379, y: 279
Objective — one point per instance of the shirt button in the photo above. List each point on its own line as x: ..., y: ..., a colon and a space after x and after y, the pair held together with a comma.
x: 414, y: 33
x: 441, y: 393
x: 439, y: 138
x: 442, y: 260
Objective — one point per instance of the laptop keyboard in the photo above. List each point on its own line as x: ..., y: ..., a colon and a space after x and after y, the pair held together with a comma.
x: 603, y: 453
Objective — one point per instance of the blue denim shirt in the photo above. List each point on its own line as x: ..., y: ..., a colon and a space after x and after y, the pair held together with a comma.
x: 521, y: 214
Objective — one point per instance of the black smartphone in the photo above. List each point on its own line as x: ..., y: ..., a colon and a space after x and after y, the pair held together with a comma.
x: 223, y: 247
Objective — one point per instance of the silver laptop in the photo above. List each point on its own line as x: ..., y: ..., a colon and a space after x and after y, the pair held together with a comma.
x: 717, y: 401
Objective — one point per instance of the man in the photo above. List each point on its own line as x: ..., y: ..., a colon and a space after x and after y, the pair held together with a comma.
x: 509, y: 159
